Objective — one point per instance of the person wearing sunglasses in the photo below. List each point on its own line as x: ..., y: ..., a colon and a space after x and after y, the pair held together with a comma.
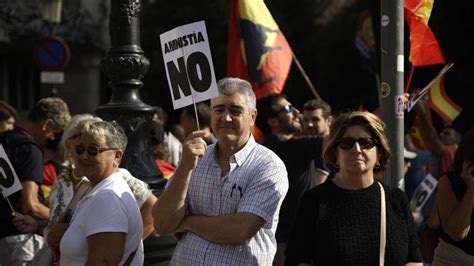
x: 278, y: 121
x: 105, y: 227
x: 340, y: 221
x: 68, y: 182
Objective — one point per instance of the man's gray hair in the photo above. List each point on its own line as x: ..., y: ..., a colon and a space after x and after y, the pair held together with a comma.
x: 50, y: 108
x: 112, y: 132
x: 231, y: 86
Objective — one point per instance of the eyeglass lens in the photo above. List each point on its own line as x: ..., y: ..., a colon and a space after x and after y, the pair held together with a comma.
x: 91, y: 150
x: 287, y: 109
x: 364, y: 143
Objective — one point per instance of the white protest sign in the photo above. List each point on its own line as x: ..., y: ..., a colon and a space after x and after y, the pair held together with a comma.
x: 9, y: 182
x: 423, y: 192
x: 417, y: 96
x: 188, y: 64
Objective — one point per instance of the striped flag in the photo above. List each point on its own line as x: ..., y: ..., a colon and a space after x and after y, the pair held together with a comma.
x: 257, y: 50
x: 424, y: 49
x: 440, y: 102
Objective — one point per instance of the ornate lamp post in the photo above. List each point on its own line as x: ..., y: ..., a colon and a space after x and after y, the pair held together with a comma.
x: 125, y: 65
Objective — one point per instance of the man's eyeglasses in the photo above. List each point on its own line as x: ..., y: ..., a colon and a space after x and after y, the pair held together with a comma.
x: 91, y: 150
x: 287, y: 109
x: 364, y: 143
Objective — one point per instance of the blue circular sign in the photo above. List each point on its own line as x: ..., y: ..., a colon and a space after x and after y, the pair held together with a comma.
x: 51, y: 53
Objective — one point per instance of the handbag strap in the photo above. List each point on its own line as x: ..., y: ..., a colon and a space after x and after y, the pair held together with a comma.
x: 383, y: 225
x: 130, y: 257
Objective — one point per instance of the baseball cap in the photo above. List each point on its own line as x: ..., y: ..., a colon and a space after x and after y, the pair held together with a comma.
x: 408, y: 154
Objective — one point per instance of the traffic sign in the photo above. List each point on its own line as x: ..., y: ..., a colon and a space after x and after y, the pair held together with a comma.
x: 51, y: 53
x: 51, y: 77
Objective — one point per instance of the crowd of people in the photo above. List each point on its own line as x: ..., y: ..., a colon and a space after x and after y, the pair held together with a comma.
x: 309, y: 191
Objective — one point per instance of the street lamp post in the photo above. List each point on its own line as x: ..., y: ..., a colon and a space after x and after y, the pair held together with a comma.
x: 125, y: 66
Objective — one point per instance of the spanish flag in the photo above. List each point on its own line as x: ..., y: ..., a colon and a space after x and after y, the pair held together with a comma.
x: 440, y: 102
x: 415, y: 133
x: 257, y: 50
x: 424, y: 49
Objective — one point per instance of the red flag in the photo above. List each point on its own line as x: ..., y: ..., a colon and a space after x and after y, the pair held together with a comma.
x: 424, y: 49
x: 440, y: 102
x: 257, y: 50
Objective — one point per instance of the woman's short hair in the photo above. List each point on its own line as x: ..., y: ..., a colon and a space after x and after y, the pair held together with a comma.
x: 371, y: 123
x: 231, y: 86
x: 112, y: 132
x: 69, y: 130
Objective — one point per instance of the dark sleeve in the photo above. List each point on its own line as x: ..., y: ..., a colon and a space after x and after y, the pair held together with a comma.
x: 414, y: 254
x: 301, y: 240
x: 28, y: 163
x: 313, y: 146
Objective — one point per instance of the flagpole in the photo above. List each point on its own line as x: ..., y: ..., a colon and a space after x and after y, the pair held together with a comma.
x: 192, y: 95
x: 391, y: 87
x: 9, y: 203
x: 306, y: 78
x: 410, y: 76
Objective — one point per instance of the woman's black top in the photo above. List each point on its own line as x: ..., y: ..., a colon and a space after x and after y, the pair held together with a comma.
x: 335, y: 226
x: 467, y: 244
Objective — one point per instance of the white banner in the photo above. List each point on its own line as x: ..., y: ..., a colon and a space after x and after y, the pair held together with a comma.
x: 188, y: 63
x: 423, y: 192
x: 9, y: 182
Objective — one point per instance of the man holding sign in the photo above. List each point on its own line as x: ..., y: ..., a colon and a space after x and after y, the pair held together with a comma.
x: 223, y: 200
x: 23, y: 147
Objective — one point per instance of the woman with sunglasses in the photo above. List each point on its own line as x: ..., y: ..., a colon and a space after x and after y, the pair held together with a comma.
x: 106, y: 227
x: 71, y: 186
x: 344, y: 221
x: 455, y: 200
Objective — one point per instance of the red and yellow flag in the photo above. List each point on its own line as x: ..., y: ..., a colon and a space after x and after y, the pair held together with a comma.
x: 415, y: 133
x: 440, y: 102
x: 424, y: 49
x: 257, y: 50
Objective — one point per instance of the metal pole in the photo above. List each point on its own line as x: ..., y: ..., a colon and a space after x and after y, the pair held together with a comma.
x: 391, y: 87
x: 125, y: 66
x: 305, y: 76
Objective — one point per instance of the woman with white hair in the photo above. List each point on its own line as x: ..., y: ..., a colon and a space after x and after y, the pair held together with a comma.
x: 106, y: 227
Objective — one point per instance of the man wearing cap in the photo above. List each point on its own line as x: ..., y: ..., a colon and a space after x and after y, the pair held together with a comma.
x: 408, y: 155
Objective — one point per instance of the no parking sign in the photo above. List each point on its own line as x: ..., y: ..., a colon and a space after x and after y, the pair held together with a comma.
x: 9, y: 182
x: 51, y: 53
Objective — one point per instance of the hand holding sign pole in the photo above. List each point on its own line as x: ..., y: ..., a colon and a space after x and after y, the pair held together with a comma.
x: 192, y: 97
x: 9, y: 182
x: 188, y: 64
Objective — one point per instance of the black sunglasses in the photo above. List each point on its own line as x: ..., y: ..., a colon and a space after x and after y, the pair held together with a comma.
x: 287, y: 109
x: 364, y: 143
x: 91, y: 150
